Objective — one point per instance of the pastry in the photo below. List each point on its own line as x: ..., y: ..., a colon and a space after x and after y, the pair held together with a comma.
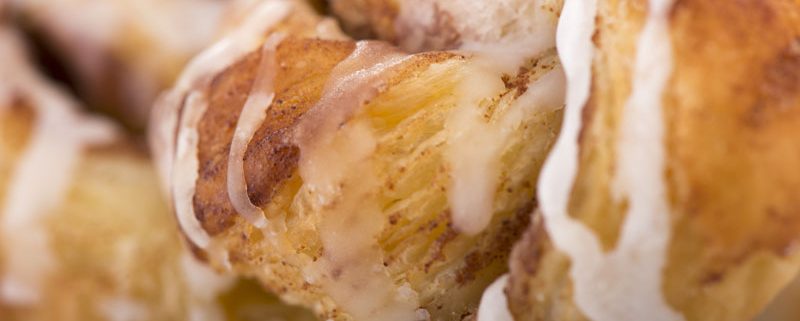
x: 423, y: 25
x: 351, y: 177
x: 120, y: 54
x: 670, y: 194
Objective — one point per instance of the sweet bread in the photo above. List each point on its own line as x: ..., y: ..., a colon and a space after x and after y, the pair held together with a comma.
x: 84, y: 232
x: 349, y: 176
x: 670, y: 193
x: 120, y: 54
x: 424, y: 25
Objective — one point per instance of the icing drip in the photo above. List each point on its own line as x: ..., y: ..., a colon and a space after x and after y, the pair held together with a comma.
x: 251, y: 117
x: 494, y: 304
x: 626, y: 283
x: 334, y: 156
x: 184, y: 171
x: 43, y: 173
x: 475, y: 144
x: 352, y: 82
x: 472, y: 151
x: 545, y: 94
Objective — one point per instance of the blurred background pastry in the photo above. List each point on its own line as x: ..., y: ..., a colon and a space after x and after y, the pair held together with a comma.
x: 120, y: 54
x: 84, y: 232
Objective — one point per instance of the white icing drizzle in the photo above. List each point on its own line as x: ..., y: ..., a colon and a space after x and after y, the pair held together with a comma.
x: 212, y: 61
x: 185, y: 170
x: 624, y: 284
x: 350, y: 85
x: 475, y: 144
x: 472, y: 151
x: 252, y: 116
x: 494, y: 304
x: 351, y: 269
x: 545, y: 94
x: 43, y: 174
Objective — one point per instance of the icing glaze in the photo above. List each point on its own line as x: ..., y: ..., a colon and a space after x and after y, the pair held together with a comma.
x: 475, y: 142
x: 333, y: 150
x: 494, y: 304
x: 251, y: 117
x: 545, y: 94
x: 476, y: 145
x: 184, y: 172
x: 624, y: 284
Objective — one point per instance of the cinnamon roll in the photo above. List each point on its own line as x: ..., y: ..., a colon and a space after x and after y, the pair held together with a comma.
x: 670, y: 194
x: 349, y: 176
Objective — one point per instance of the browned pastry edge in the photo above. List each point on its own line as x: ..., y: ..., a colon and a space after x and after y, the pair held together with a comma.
x: 271, y: 157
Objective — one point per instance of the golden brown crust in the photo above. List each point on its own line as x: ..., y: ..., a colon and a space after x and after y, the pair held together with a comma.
x: 744, y: 129
x: 271, y: 157
x: 735, y: 107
